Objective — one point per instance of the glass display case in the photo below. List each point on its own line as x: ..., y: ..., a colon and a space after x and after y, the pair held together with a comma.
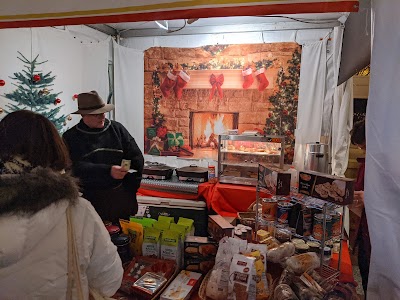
x: 239, y: 156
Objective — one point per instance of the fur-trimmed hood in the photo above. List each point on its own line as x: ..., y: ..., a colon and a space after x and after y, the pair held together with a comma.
x: 28, y: 193
x: 31, y: 205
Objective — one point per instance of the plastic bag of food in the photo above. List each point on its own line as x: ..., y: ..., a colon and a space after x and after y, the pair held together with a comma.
x: 277, y: 254
x: 286, y: 277
x: 303, y: 262
x: 284, y: 292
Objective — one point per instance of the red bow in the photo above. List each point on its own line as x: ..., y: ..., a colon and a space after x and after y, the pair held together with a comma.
x: 216, y: 83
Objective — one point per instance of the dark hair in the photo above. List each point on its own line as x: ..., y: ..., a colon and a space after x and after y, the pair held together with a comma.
x: 358, y: 133
x: 34, y: 138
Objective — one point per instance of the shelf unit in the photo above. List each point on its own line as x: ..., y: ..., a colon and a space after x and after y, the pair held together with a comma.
x: 314, y: 203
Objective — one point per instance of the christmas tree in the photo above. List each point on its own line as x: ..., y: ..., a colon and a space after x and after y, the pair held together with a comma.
x: 283, y: 115
x: 33, y: 93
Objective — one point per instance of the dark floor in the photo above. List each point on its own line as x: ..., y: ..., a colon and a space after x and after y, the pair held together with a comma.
x: 357, y: 276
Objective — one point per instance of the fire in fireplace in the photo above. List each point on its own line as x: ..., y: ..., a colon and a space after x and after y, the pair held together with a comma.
x: 206, y: 126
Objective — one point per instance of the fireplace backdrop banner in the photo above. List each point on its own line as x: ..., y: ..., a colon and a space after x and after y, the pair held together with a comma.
x: 193, y: 95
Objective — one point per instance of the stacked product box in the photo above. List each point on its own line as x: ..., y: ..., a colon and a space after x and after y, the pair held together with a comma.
x: 199, y: 254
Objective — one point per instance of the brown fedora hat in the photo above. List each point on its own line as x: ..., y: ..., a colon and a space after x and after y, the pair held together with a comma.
x: 91, y: 104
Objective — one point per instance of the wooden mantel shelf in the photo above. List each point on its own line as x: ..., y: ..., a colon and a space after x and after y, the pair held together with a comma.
x: 233, y: 79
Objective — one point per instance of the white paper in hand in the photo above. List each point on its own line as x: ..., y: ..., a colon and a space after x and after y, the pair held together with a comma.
x: 126, y: 164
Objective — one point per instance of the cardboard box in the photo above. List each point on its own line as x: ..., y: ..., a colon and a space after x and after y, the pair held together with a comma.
x: 218, y: 227
x: 199, y: 264
x: 338, y: 190
x: 275, y: 180
x: 198, y: 246
x: 182, y: 287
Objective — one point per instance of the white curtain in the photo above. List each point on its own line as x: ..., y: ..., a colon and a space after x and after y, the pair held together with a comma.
x: 78, y: 65
x: 338, y: 109
x: 382, y: 181
x: 129, y: 91
x: 311, y: 95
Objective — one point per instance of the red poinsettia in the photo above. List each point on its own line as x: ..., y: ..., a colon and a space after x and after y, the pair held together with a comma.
x: 162, y: 132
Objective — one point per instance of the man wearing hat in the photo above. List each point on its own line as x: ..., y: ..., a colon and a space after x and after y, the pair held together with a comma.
x: 97, y: 147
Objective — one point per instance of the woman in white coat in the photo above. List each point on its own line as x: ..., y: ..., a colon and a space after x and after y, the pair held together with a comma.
x: 35, y: 193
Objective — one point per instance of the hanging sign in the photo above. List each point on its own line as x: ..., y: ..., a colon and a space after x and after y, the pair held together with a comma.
x: 27, y: 13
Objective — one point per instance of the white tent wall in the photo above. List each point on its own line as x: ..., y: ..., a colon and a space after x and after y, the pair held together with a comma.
x: 80, y: 63
x: 129, y: 109
x: 382, y: 179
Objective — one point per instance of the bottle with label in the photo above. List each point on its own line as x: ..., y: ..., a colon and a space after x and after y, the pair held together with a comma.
x: 211, y: 174
x: 294, y: 179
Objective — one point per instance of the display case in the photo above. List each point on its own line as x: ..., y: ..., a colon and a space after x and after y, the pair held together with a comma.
x: 239, y: 156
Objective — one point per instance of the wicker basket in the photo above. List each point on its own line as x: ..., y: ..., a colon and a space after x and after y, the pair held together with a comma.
x: 203, y: 286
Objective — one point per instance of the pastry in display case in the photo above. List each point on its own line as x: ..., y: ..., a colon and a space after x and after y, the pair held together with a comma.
x: 239, y: 156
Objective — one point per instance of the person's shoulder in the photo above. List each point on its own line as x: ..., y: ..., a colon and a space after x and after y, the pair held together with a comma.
x: 70, y: 131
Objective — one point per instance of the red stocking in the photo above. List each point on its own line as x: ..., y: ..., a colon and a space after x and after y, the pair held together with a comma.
x: 181, y: 81
x: 248, y: 78
x: 263, y: 81
x: 168, y: 84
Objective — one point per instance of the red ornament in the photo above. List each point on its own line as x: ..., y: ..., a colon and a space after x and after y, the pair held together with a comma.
x: 283, y: 84
x: 285, y: 112
x: 2, y: 82
x: 296, y: 98
x: 75, y: 96
x: 272, y: 125
x: 288, y: 132
x: 270, y: 115
x: 57, y: 101
x: 36, y: 77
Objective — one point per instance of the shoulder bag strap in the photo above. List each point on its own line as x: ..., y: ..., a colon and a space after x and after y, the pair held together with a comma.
x: 73, y: 260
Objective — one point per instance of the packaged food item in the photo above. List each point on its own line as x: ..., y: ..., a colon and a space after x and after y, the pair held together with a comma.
x: 188, y: 223
x: 282, y: 234
x: 162, y: 226
x: 297, y: 241
x: 151, y: 242
x: 262, y: 291
x: 314, y: 246
x: 318, y: 226
x: 182, y: 286
x: 146, y: 222
x: 303, y: 262
x: 269, y: 208
x: 334, y: 189
x: 170, y: 246
x: 217, y: 287
x: 148, y: 285
x: 262, y: 235
x: 304, y: 292
x: 336, y: 226
x: 271, y: 242
x: 284, y: 292
x: 283, y: 212
x: 143, y: 264
x: 218, y: 227
x: 302, y: 248
x: 242, y: 274
x: 165, y: 219
x: 199, y: 264
x: 277, y: 254
x: 286, y: 277
x: 198, y: 246
x: 276, y: 180
x: 135, y: 232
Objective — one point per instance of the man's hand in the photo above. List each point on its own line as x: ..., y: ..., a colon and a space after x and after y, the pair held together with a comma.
x: 117, y: 172
x: 359, y: 197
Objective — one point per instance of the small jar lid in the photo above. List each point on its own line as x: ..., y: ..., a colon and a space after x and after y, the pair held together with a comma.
x: 112, y: 229
x: 298, y: 241
x: 327, y: 251
x: 120, y: 240
x: 302, y: 248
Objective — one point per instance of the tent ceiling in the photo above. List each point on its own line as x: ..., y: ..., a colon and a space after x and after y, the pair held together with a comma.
x: 224, y: 25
